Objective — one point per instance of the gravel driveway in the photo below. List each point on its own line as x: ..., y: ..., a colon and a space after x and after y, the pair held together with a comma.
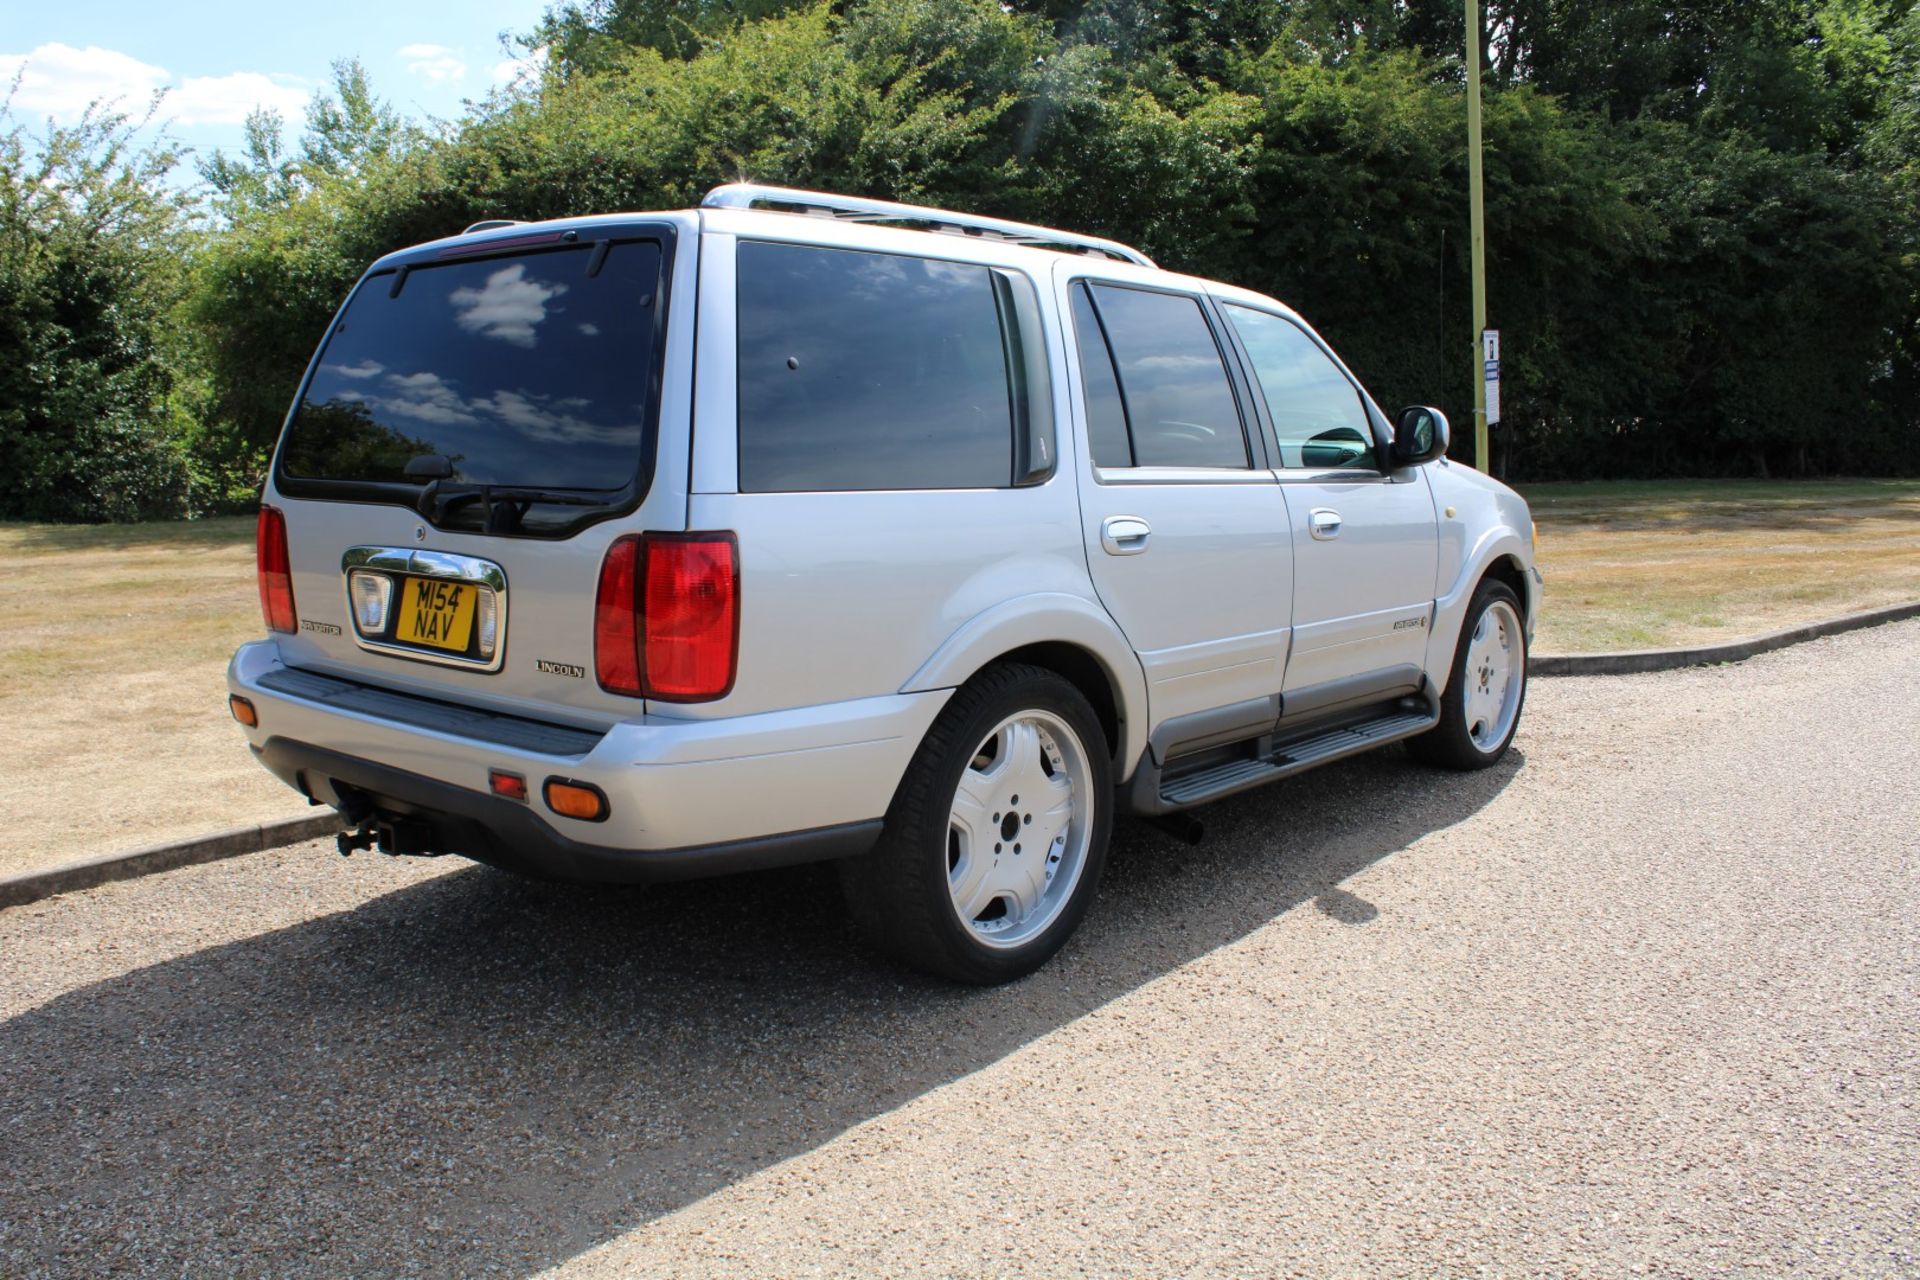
x: 1645, y: 998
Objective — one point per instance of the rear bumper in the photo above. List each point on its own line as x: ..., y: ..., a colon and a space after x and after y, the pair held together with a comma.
x: 451, y: 819
x: 719, y: 795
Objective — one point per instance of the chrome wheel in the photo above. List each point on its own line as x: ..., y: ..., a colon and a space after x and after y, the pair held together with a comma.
x: 1020, y: 826
x: 1495, y: 674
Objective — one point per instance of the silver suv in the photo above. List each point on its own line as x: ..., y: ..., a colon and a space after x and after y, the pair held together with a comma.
x: 800, y: 527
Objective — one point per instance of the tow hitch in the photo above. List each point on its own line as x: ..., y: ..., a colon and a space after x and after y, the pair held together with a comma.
x: 397, y: 836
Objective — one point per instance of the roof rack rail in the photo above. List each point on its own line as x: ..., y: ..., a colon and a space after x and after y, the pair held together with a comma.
x: 488, y: 224
x: 747, y: 195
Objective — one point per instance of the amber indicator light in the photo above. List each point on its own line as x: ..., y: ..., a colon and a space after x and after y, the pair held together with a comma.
x: 580, y: 800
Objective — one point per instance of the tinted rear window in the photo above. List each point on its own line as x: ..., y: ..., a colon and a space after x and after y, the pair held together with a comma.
x: 869, y: 371
x: 522, y: 370
x: 1180, y: 406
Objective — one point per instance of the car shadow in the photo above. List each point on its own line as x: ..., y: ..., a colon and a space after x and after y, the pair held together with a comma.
x: 484, y: 1075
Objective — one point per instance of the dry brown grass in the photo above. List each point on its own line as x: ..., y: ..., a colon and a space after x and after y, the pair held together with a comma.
x: 114, y: 640
x: 1637, y: 566
x: 113, y: 720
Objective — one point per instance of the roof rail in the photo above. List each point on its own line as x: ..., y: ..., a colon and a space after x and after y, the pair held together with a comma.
x: 747, y: 195
x: 488, y: 224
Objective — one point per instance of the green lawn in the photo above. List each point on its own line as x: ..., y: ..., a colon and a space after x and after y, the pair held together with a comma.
x: 1634, y: 565
x: 114, y: 639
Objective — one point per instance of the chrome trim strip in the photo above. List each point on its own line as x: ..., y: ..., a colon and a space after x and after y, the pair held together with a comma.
x: 1181, y: 475
x: 430, y: 564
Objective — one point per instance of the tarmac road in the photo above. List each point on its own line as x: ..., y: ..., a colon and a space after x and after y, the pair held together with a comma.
x: 1644, y: 999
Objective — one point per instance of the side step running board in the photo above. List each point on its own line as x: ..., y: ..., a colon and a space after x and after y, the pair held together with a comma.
x: 1233, y: 776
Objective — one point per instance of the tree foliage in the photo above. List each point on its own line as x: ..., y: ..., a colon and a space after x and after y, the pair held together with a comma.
x: 1702, y: 218
x: 91, y: 248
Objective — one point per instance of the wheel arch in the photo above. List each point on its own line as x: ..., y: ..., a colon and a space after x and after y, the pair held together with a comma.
x: 1501, y: 555
x: 1064, y: 634
x: 1508, y: 569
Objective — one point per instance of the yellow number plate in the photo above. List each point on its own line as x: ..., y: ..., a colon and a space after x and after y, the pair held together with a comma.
x: 436, y: 613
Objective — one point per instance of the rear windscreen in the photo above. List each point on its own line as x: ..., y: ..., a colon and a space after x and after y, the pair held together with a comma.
x: 531, y: 370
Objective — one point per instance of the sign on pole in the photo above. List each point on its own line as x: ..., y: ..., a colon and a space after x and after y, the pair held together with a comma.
x: 1490, y: 357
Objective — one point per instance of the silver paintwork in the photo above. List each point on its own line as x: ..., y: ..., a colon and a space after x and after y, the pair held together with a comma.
x: 669, y: 783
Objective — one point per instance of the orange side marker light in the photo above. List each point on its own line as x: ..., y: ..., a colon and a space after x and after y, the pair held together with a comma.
x: 580, y: 800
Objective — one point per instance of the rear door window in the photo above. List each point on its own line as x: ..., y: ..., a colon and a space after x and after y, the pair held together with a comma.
x: 1179, y: 403
x: 1106, y: 412
x: 870, y: 371
x: 528, y: 370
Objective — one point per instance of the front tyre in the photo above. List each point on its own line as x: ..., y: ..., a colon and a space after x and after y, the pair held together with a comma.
x: 1481, y: 708
x: 998, y: 833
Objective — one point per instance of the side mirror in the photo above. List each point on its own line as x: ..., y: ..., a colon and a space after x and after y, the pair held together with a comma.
x: 1421, y: 435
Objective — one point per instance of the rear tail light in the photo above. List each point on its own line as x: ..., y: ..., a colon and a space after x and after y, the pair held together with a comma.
x: 275, y: 570
x: 667, y: 616
x: 616, y: 620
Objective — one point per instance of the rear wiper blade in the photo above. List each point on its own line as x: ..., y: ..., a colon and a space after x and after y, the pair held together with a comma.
x: 438, y: 499
x: 492, y: 493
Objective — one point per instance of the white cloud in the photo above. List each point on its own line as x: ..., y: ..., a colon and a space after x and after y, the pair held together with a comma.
x: 61, y: 81
x: 509, y: 308
x: 427, y: 397
x: 513, y: 71
x: 434, y: 61
x: 227, y: 99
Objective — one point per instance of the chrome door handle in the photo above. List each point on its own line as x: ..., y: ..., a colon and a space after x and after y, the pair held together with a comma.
x: 1323, y: 524
x: 1125, y: 535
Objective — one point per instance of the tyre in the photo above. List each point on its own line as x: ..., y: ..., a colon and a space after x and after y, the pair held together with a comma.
x: 1481, y: 708
x: 997, y: 835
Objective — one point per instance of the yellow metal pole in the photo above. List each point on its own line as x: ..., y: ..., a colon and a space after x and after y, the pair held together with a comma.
x: 1477, y: 201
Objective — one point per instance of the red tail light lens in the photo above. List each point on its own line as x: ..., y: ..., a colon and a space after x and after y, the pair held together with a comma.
x: 667, y: 617
x: 616, y: 622
x: 275, y: 570
x: 690, y: 615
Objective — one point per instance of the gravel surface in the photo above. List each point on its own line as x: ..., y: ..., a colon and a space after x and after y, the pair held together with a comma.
x: 1644, y: 999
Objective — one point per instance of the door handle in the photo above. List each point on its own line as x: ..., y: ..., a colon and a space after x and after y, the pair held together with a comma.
x: 1125, y: 535
x: 1323, y: 523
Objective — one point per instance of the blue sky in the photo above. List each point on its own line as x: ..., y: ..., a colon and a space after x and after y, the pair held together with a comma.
x: 219, y: 58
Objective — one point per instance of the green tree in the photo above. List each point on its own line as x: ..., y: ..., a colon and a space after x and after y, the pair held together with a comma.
x: 91, y: 247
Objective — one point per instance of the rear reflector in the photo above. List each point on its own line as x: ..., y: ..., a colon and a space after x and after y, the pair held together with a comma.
x: 275, y: 570
x: 580, y: 800
x: 243, y: 711
x: 510, y: 785
x: 667, y: 616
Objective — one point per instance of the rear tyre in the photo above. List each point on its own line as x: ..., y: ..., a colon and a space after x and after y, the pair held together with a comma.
x: 1480, y: 711
x: 997, y: 835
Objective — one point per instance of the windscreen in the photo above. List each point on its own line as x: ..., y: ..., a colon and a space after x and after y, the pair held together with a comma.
x: 530, y: 371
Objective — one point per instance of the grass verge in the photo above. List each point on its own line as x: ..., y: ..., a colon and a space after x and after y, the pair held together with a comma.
x: 114, y: 639
x: 113, y: 720
x: 1657, y: 564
